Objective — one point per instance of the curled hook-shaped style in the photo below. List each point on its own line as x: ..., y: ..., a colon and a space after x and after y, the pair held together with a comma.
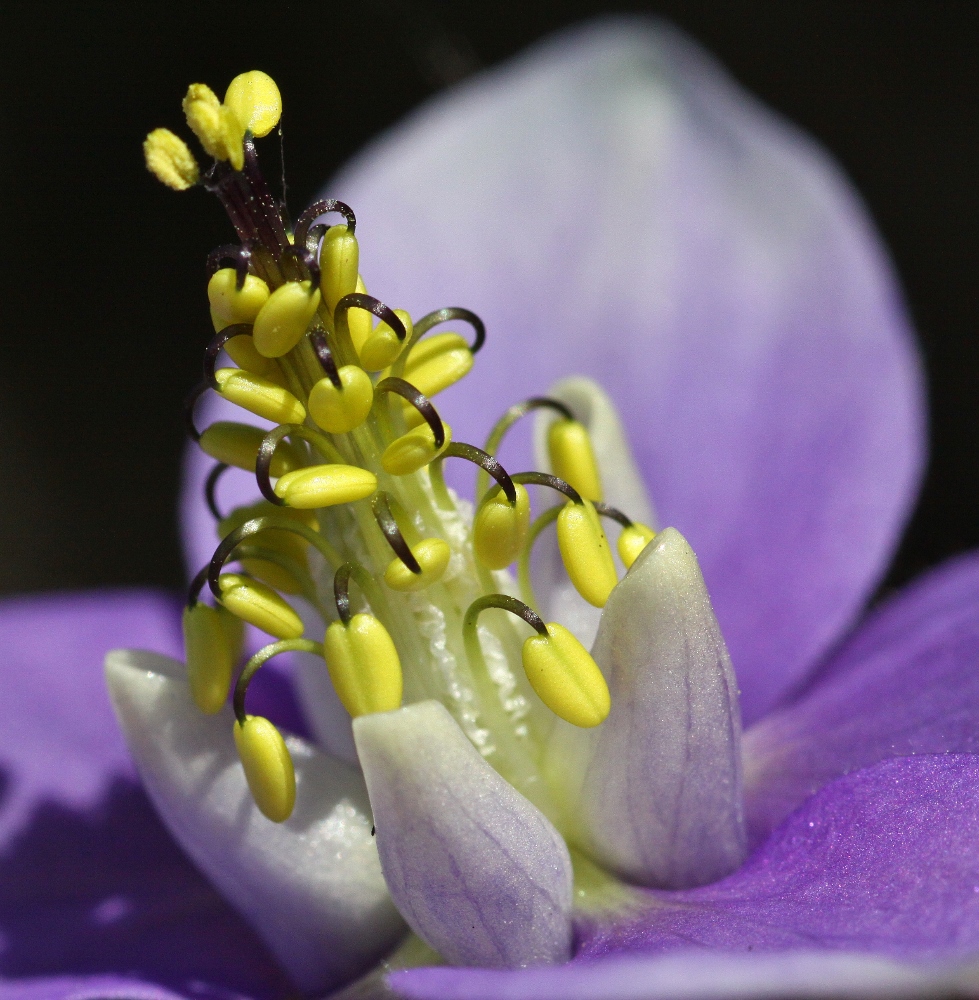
x: 552, y: 482
x: 433, y: 319
x: 612, y: 513
x: 239, y: 254
x: 505, y: 603
x: 418, y: 400
x: 213, y: 349
x: 317, y: 209
x: 210, y: 485
x: 260, y: 659
x: 381, y: 506
x: 306, y: 257
x: 190, y: 401
x: 341, y: 587
x: 360, y: 300
x: 490, y: 465
x: 318, y: 341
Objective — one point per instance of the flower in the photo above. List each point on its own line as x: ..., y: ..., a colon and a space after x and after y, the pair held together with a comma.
x: 783, y: 395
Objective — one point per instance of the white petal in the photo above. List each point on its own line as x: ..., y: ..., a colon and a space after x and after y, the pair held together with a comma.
x: 476, y: 870
x: 312, y: 886
x: 655, y: 792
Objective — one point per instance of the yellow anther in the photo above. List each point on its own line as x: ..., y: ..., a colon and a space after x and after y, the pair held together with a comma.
x: 242, y: 352
x: 500, y: 528
x: 632, y: 541
x: 359, y: 321
x: 216, y: 126
x: 341, y: 410
x: 585, y: 552
x: 282, y: 321
x: 326, y: 485
x: 238, y: 444
x: 382, y: 347
x: 256, y: 101
x: 260, y: 396
x: 339, y: 260
x: 210, y: 657
x: 169, y: 160
x: 286, y: 543
x: 414, y: 450
x: 433, y: 557
x: 566, y: 678
x: 573, y: 459
x: 260, y: 606
x: 231, y: 304
x: 434, y: 364
x: 364, y: 665
x: 268, y: 767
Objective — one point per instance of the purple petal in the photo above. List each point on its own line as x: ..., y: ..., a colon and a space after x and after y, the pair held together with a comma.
x: 61, y: 744
x: 86, y: 988
x: 655, y: 792
x: 613, y: 205
x: 687, y: 976
x: 905, y: 683
x: 885, y: 860
x: 90, y: 882
x: 477, y: 870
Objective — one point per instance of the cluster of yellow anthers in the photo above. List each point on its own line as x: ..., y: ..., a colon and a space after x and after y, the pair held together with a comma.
x: 356, y: 455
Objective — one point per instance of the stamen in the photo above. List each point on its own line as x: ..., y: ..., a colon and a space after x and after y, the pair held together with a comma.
x: 446, y: 315
x: 317, y: 340
x: 606, y: 510
x: 215, y: 347
x: 381, y: 505
x: 210, y: 485
x: 190, y: 401
x: 260, y: 659
x: 266, y: 452
x: 240, y: 256
x: 379, y: 355
x: 553, y: 482
x: 307, y: 258
x: 418, y: 400
x: 486, y: 462
x: 317, y: 209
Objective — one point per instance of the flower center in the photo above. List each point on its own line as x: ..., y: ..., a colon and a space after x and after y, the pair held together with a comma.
x: 411, y: 586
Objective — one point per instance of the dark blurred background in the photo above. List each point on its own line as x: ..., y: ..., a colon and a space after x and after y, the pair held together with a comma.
x: 102, y: 308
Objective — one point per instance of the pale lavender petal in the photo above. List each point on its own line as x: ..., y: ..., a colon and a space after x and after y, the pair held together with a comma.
x: 884, y: 860
x: 87, y: 988
x: 688, y: 976
x: 906, y: 683
x: 655, y: 793
x: 312, y: 886
x: 60, y: 741
x: 613, y: 205
x: 476, y: 869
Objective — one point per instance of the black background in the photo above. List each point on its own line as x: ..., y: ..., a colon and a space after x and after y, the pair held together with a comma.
x: 102, y: 309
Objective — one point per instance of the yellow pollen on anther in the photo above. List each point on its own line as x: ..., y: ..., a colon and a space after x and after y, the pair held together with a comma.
x: 232, y: 304
x: 432, y: 555
x: 359, y: 321
x: 326, y: 485
x: 364, y: 665
x: 210, y: 656
x: 255, y: 100
x: 282, y: 321
x: 259, y: 605
x: 216, y: 126
x: 500, y: 528
x: 632, y: 541
x: 339, y: 411
x: 413, y: 450
x: 169, y: 160
x: 585, y: 552
x: 573, y: 458
x: 339, y: 260
x: 433, y: 365
x: 382, y: 347
x: 260, y: 396
x: 566, y: 678
x: 268, y: 767
x: 237, y: 444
